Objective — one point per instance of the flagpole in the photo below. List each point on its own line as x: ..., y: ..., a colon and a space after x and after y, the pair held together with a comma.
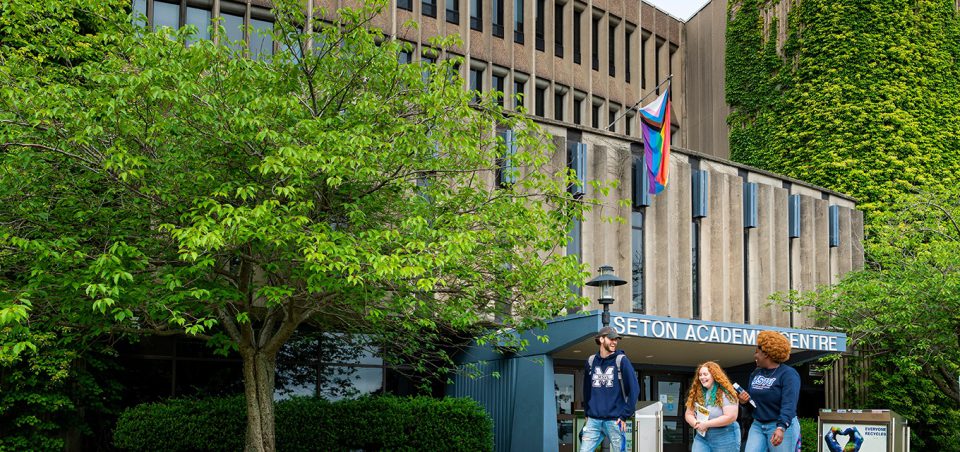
x: 656, y: 90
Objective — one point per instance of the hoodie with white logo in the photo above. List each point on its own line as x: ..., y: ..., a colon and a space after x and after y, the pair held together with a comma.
x: 603, y: 397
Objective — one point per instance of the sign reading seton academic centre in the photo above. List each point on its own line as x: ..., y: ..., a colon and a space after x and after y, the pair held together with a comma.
x: 722, y: 333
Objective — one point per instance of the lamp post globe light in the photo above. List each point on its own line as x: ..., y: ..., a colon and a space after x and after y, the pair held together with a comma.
x: 606, y: 281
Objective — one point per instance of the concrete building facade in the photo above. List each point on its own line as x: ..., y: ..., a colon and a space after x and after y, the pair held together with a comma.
x: 704, y: 255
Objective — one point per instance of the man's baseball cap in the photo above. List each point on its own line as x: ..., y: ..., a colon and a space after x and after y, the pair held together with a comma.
x: 609, y: 332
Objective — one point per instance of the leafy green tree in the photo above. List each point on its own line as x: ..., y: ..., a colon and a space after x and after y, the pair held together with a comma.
x: 902, y: 315
x: 157, y: 184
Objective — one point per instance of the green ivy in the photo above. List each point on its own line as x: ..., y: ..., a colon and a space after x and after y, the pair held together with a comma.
x: 861, y: 98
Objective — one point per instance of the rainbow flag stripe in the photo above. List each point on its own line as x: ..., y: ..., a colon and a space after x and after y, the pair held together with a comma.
x: 655, y: 125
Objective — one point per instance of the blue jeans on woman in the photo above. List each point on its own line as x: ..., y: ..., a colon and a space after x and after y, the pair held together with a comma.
x: 593, y: 432
x: 718, y: 439
x: 758, y: 440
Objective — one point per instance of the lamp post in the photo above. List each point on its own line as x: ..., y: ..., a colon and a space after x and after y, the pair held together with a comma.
x: 606, y: 281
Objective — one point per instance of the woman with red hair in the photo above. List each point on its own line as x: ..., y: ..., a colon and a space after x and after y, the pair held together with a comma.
x: 712, y: 410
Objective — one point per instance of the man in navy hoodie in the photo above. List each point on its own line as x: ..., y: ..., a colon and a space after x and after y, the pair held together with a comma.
x: 610, y: 392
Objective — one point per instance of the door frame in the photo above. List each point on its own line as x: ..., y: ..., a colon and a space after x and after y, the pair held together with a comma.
x: 652, y: 378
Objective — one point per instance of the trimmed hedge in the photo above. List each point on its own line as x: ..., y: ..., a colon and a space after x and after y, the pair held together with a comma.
x: 308, y: 424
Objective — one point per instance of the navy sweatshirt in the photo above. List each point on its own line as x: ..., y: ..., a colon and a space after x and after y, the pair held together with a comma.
x: 602, y: 397
x: 776, y: 392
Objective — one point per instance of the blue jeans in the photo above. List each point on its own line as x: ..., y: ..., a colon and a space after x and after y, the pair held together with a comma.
x: 758, y: 440
x: 593, y: 432
x: 718, y: 439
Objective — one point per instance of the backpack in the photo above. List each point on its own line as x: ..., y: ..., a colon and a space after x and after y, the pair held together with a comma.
x: 623, y: 391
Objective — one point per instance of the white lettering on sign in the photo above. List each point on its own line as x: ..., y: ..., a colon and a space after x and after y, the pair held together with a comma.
x: 720, y: 334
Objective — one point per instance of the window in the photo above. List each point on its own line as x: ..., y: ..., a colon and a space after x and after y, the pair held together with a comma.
x: 498, y: 18
x: 233, y: 25
x: 498, y: 83
x: 476, y: 78
x: 612, y: 117
x: 139, y: 9
x: 575, y: 248
x: 405, y: 56
x: 453, y: 11
x: 429, y: 8
x: 558, y: 29
x: 595, y: 113
x: 656, y: 64
x: 335, y: 366
x: 673, y: 55
x: 166, y: 15
x: 425, y: 61
x: 645, y: 36
x: 506, y: 171
x: 405, y: 4
x: 578, y: 97
x: 261, y: 42
x: 636, y: 257
x: 540, y: 41
x: 612, y: 48
x: 519, y: 90
x: 577, y: 17
x: 518, y: 21
x: 540, y: 98
x: 577, y: 162
x: 174, y: 14
x: 559, y: 99
x: 595, y: 41
x: 628, y: 124
x: 476, y: 15
x: 695, y: 258
x: 627, y: 50
x: 640, y: 198
x: 199, y: 18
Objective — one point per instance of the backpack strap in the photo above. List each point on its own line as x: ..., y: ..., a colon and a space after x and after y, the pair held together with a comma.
x: 623, y: 391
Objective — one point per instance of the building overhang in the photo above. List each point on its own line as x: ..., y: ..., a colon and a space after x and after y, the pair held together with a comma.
x: 665, y: 341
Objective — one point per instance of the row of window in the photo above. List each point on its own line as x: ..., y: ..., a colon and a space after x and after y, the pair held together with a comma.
x: 251, y: 29
x: 619, y: 32
x: 549, y: 100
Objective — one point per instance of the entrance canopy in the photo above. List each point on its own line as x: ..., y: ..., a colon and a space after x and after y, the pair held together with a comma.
x: 667, y: 341
x: 683, y: 342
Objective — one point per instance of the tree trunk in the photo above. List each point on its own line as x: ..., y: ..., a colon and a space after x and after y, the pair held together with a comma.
x: 259, y: 369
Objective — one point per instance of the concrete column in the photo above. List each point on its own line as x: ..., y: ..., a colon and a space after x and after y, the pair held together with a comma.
x: 721, y: 249
x: 768, y: 257
x: 668, y: 251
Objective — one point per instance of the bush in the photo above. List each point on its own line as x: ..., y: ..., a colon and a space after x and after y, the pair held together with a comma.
x: 184, y: 424
x: 808, y: 434
x: 306, y: 423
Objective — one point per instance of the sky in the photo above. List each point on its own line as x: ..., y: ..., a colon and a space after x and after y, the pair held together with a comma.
x: 681, y: 9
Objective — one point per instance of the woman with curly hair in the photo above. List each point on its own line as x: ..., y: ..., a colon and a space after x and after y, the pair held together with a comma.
x: 712, y: 410
x: 775, y: 390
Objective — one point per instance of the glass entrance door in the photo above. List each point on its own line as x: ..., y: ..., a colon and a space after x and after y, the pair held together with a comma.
x: 671, y: 391
x: 563, y: 387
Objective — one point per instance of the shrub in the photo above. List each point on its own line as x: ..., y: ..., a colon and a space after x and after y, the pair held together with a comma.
x: 306, y: 423
x: 211, y: 424
x: 808, y: 434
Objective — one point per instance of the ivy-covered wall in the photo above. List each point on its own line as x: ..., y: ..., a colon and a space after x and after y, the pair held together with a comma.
x: 861, y: 98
